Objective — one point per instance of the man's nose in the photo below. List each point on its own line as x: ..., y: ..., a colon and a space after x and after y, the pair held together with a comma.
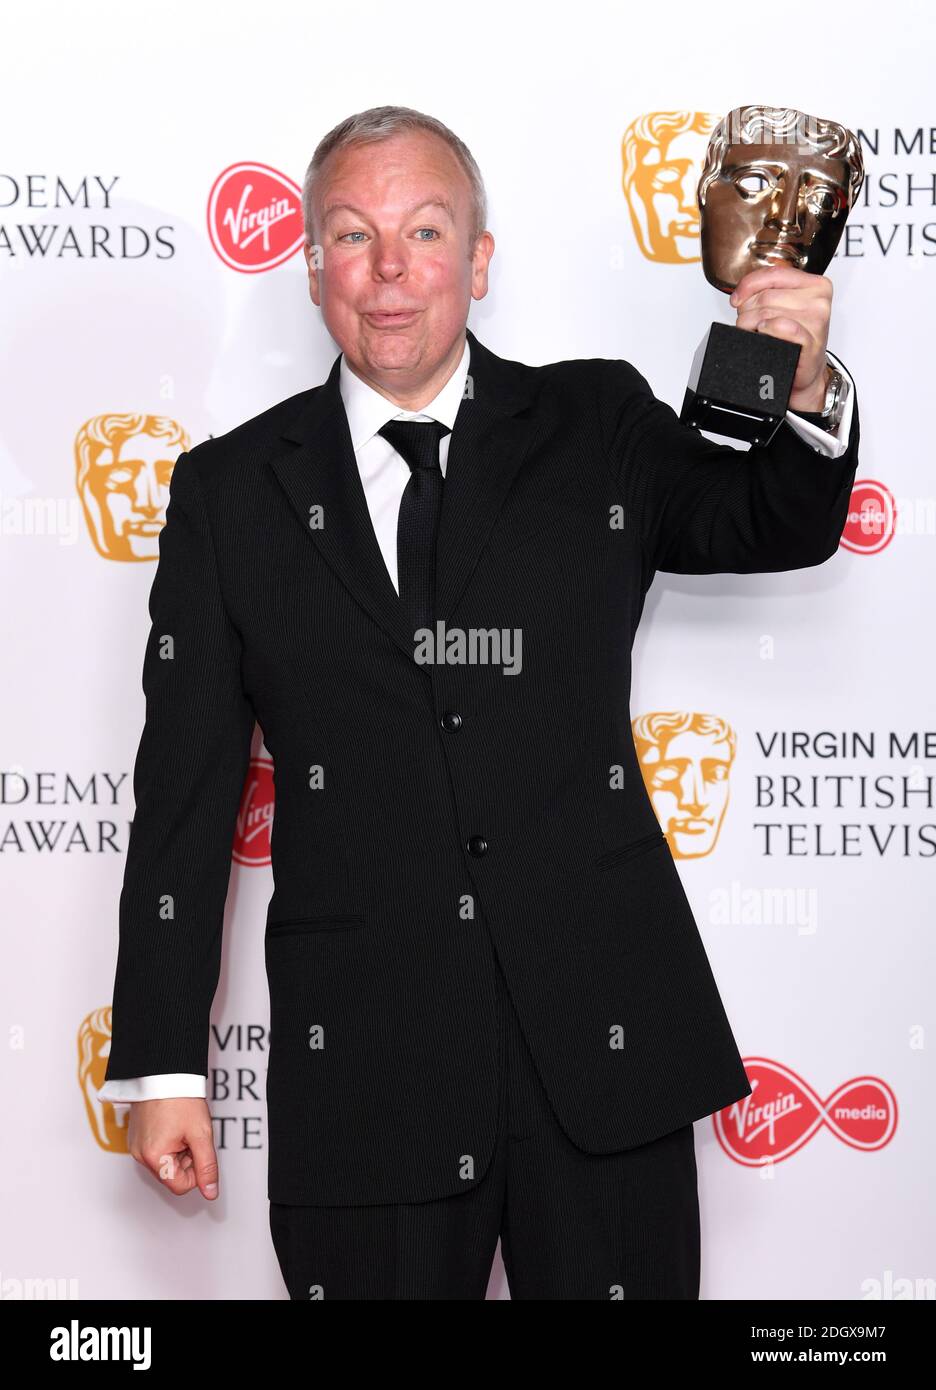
x: 390, y: 261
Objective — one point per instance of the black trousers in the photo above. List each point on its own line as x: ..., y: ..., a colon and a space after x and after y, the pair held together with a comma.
x: 571, y: 1224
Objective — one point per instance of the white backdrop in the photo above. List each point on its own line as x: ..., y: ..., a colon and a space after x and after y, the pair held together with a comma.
x: 136, y: 111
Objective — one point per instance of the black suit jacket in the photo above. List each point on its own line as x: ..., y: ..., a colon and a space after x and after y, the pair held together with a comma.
x: 386, y: 918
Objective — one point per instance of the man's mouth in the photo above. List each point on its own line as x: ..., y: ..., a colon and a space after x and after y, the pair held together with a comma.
x: 391, y: 318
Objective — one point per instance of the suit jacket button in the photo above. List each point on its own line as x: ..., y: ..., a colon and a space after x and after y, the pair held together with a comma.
x: 477, y: 845
x: 451, y: 720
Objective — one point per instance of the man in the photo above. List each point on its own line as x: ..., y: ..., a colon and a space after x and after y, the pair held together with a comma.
x: 491, y: 1010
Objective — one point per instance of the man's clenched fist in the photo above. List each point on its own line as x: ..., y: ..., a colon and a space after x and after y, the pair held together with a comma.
x: 795, y: 305
x: 173, y: 1138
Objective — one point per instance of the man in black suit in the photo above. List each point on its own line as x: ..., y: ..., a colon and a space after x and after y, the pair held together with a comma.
x: 491, y: 1010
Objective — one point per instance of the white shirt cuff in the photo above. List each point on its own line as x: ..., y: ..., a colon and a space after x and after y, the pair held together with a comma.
x: 832, y: 444
x: 166, y: 1086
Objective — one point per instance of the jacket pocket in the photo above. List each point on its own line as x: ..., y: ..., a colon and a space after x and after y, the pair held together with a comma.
x: 299, y: 926
x: 615, y: 856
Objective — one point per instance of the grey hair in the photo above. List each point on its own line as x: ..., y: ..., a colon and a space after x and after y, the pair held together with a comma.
x: 380, y: 123
x: 784, y: 124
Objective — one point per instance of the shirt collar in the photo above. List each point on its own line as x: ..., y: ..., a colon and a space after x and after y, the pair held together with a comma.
x: 368, y: 411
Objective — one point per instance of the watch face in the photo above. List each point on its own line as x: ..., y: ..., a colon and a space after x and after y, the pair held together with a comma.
x: 838, y: 388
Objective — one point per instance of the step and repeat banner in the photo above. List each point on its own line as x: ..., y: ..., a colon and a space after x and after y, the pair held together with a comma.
x: 154, y: 294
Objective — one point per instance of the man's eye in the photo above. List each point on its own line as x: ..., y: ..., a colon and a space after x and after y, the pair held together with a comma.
x: 431, y: 230
x: 345, y: 235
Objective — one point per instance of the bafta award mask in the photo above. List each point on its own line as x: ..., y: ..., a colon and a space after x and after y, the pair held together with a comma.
x: 776, y: 188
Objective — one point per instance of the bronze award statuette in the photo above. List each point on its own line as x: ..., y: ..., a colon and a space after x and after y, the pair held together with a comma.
x: 776, y: 188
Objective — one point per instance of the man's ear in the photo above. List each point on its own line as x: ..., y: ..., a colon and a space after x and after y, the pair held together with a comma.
x: 483, y: 251
x: 313, y: 259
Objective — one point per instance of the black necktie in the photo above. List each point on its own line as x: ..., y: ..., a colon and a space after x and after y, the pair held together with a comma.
x: 417, y: 441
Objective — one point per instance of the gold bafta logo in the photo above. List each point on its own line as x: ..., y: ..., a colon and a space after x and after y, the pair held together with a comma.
x: 685, y: 760
x: 94, y: 1040
x: 124, y: 463
x: 663, y: 153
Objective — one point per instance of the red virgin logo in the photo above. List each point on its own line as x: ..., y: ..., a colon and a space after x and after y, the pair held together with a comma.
x: 872, y: 515
x: 783, y: 1113
x: 254, y: 217
x: 255, y: 817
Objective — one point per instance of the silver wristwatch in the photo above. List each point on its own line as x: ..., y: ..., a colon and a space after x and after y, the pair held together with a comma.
x: 836, y: 391
x: 830, y: 416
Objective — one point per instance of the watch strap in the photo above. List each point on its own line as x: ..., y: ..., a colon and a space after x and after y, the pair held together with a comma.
x: 815, y: 417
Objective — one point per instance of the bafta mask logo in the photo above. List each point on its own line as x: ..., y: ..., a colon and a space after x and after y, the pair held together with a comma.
x: 94, y: 1040
x: 776, y: 188
x: 662, y: 153
x: 685, y: 759
x: 124, y: 463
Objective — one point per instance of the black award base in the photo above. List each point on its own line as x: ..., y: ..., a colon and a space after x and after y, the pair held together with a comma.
x: 740, y: 383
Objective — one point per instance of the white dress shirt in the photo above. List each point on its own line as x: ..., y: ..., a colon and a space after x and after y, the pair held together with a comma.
x: 384, y: 475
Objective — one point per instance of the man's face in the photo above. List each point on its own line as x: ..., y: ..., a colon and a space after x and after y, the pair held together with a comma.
x: 775, y: 204
x: 398, y: 270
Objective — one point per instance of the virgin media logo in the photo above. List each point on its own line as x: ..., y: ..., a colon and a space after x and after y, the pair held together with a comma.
x: 254, y: 217
x: 255, y: 817
x: 872, y: 516
x: 783, y: 1113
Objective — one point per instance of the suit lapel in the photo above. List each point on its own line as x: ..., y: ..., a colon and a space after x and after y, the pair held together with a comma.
x: 323, y: 472
x: 486, y: 449
x: 489, y: 441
